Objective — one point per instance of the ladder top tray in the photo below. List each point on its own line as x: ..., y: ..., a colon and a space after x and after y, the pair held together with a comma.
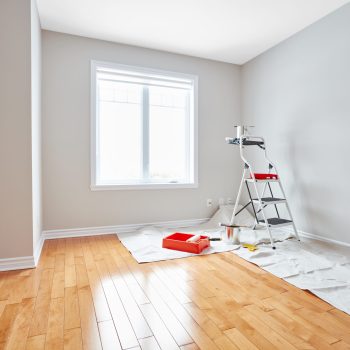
x: 245, y: 142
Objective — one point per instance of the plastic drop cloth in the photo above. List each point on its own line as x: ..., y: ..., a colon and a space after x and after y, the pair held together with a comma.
x: 145, y: 245
x: 322, y: 268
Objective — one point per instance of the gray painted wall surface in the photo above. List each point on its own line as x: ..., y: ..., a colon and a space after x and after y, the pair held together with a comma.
x: 15, y: 130
x: 298, y: 96
x: 68, y: 200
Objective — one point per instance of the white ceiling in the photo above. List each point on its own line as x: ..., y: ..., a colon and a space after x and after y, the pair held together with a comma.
x: 232, y: 31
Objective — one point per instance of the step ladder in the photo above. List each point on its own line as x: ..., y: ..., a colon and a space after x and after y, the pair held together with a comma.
x: 251, y: 180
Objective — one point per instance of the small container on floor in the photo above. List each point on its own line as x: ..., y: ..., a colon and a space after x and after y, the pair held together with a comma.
x: 231, y: 233
x: 179, y: 241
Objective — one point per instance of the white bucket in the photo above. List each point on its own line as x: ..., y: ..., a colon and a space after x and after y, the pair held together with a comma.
x: 242, y: 130
x: 231, y: 233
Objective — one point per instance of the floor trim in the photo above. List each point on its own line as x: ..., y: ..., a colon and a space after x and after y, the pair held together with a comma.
x: 27, y: 262
x: 323, y: 239
x: 101, y: 230
x: 319, y: 238
x: 20, y: 263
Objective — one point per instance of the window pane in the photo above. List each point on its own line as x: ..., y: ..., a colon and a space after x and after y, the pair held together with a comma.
x: 168, y: 134
x: 119, y: 133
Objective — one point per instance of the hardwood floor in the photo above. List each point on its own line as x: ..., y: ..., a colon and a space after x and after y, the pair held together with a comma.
x: 89, y: 293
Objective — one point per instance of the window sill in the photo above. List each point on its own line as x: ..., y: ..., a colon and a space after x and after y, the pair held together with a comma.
x: 164, y: 186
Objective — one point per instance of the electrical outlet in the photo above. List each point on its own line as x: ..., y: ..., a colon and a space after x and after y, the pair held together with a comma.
x: 209, y: 202
x: 229, y: 200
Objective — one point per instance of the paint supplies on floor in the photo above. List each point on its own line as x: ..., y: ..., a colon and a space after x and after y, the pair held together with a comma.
x: 250, y: 247
x: 186, y: 242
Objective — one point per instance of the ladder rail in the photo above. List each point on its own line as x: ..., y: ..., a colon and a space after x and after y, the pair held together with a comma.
x: 273, y: 166
x: 247, y: 165
x: 238, y: 198
x: 263, y: 214
x: 260, y: 209
x: 289, y: 212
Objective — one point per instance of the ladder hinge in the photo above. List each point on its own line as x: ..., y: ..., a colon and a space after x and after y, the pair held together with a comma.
x: 246, y: 166
x: 270, y: 166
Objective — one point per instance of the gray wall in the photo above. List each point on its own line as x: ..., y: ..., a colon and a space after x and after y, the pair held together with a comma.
x: 298, y: 96
x: 15, y: 130
x: 20, y: 133
x: 68, y: 200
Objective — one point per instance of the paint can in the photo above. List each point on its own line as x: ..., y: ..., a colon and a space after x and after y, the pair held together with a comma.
x: 231, y: 234
x: 242, y: 130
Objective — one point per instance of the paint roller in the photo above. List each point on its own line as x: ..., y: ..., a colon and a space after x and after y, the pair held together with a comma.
x: 194, y: 238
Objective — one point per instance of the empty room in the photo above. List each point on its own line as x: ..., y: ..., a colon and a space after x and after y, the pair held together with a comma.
x: 173, y: 174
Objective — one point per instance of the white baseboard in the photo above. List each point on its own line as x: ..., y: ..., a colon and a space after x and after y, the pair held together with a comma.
x: 323, y: 239
x: 23, y: 262
x: 101, y: 230
x: 31, y: 261
x: 20, y: 263
x: 27, y: 262
x: 319, y: 238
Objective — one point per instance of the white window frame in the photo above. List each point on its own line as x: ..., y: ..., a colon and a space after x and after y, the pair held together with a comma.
x: 193, y: 163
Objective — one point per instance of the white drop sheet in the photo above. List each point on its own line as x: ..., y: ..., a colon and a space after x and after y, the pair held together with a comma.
x: 145, y: 245
x: 322, y: 268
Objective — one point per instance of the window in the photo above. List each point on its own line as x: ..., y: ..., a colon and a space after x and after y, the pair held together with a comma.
x: 144, y: 130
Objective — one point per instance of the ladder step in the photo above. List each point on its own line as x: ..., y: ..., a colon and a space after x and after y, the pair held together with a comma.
x: 269, y: 200
x: 262, y: 180
x: 276, y: 222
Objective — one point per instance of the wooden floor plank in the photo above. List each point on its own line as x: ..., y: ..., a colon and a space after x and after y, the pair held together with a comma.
x: 41, y: 315
x: 149, y: 343
x: 89, y: 329
x: 124, y: 328
x: 161, y: 333
x: 80, y: 269
x: 36, y: 343
x: 100, y: 302
x: 192, y: 346
x: 240, y: 340
x: 109, y: 337
x: 157, y: 296
x: 7, y: 321
x: 224, y: 343
x: 280, y: 305
x: 230, y: 311
x: 54, y: 334
x: 135, y: 316
x: 72, y: 339
x: 71, y: 308
x: 42, y: 304
x: 20, y: 330
x: 276, y: 339
x: 89, y: 293
x: 58, y: 285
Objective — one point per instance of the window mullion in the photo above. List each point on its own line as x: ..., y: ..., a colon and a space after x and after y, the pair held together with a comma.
x: 145, y: 132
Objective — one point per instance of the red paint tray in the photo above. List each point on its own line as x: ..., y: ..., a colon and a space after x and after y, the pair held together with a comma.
x: 177, y: 241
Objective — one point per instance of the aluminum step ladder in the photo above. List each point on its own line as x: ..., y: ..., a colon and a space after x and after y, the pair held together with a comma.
x: 260, y: 202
